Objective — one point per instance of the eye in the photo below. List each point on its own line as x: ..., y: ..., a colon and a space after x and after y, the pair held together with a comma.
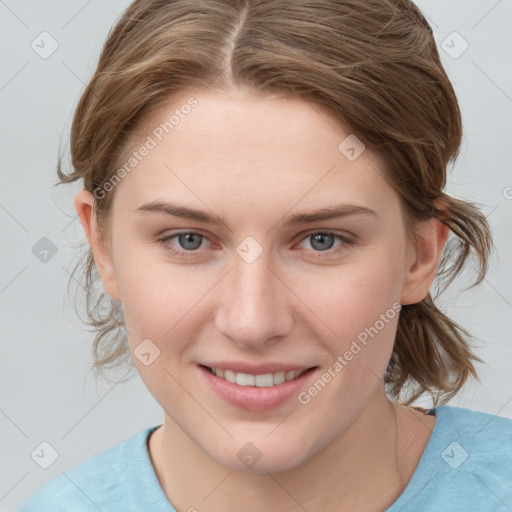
x: 323, y: 241
x: 189, y: 243
x: 186, y: 242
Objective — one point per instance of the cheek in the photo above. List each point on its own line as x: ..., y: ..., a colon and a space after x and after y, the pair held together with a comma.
x: 351, y: 297
x: 359, y: 307
x: 155, y: 293
x: 161, y: 303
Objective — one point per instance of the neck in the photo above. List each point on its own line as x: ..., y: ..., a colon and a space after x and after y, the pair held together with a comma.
x: 365, y: 469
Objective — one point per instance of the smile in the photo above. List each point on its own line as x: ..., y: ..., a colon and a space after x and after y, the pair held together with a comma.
x: 264, y: 380
x: 256, y: 387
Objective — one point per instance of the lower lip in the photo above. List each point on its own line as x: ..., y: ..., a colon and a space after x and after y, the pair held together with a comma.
x: 253, y: 398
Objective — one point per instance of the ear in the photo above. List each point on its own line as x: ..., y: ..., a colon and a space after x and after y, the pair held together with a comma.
x: 431, y: 237
x: 84, y: 205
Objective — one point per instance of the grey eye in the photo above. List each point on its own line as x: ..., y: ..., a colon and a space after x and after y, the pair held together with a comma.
x: 322, y: 241
x: 190, y: 241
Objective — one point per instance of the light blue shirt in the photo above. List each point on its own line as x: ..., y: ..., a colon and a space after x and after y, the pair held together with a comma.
x: 466, y: 467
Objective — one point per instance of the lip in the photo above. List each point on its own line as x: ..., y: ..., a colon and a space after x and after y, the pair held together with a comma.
x: 253, y: 398
x: 254, y: 369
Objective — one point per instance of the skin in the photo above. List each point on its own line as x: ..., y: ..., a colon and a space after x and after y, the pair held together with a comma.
x: 254, y: 160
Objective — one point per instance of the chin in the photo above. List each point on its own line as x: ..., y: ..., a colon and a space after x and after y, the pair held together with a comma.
x: 269, y: 465
x: 257, y: 459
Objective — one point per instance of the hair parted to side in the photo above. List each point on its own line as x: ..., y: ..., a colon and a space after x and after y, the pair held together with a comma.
x: 372, y: 63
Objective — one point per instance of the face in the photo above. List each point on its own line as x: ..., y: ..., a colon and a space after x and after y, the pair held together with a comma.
x: 265, y: 291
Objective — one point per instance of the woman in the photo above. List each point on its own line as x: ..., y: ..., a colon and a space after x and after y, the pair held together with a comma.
x: 222, y: 144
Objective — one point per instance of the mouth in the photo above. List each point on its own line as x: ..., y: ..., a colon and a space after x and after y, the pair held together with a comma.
x: 266, y: 388
x: 262, y: 380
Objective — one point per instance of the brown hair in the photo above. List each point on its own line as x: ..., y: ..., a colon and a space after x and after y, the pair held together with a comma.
x: 372, y: 63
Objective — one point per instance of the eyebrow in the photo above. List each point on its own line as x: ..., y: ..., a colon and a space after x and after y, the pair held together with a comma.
x: 331, y: 212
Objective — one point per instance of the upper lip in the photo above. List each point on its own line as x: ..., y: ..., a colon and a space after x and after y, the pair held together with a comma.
x: 255, y: 369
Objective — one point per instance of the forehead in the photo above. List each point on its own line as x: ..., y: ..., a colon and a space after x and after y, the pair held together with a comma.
x: 252, y: 149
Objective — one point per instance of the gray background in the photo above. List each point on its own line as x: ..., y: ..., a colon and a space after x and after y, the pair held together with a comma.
x: 48, y: 392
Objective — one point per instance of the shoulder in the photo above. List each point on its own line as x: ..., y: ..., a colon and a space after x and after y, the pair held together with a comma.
x: 97, y: 483
x: 474, y: 450
x: 484, y: 436
x: 466, y: 465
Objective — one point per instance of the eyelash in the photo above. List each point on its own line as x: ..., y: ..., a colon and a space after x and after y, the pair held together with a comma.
x: 317, y: 254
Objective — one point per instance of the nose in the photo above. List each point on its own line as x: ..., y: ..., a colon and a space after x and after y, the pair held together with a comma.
x: 255, y: 304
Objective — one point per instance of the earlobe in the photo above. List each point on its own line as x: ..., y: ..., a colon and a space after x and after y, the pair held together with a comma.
x: 84, y: 205
x: 431, y: 237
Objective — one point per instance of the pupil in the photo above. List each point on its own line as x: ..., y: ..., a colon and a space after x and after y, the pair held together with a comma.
x: 321, y: 237
x: 189, y: 239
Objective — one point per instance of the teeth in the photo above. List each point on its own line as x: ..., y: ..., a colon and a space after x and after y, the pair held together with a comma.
x: 265, y: 380
x: 230, y: 376
x: 279, y: 377
x: 245, y: 379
